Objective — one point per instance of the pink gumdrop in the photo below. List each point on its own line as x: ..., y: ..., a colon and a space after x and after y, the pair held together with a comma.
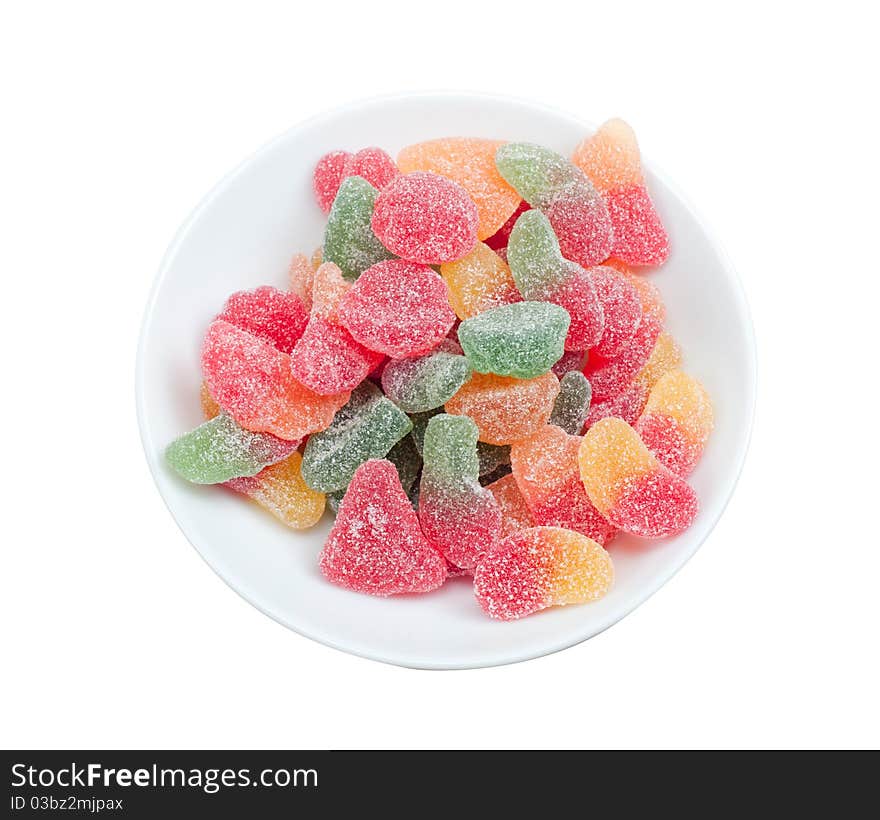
x: 398, y: 308
x: 610, y: 376
x: 376, y: 545
x: 626, y: 405
x: 498, y: 240
x: 639, y: 235
x: 275, y: 316
x: 579, y: 297
x: 327, y: 177
x: 328, y: 360
x: 372, y: 164
x: 583, y: 226
x: 425, y: 218
x: 621, y: 309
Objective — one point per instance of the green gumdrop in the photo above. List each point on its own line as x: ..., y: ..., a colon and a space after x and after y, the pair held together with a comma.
x: 572, y: 405
x: 419, y: 425
x: 349, y: 241
x: 220, y: 449
x: 536, y: 172
x: 536, y: 263
x: 408, y: 461
x: 524, y: 339
x: 367, y: 427
x: 426, y: 382
x: 450, y: 449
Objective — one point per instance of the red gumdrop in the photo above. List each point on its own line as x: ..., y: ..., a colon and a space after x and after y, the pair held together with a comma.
x: 621, y: 308
x: 579, y: 297
x: 511, y: 585
x: 639, y: 235
x: 570, y: 508
x: 626, y: 405
x: 372, y: 164
x: 398, y: 308
x: 425, y: 218
x: 275, y: 316
x: 376, y: 545
x: 610, y: 376
x: 671, y: 446
x: 328, y: 360
x: 583, y: 227
x: 499, y: 239
x: 327, y: 177
x: 656, y: 505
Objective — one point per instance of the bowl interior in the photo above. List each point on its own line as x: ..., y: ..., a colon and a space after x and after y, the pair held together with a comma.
x: 243, y: 235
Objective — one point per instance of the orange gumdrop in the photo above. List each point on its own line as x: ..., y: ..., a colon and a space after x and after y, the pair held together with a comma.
x: 471, y: 163
x: 610, y: 157
x: 301, y: 276
x: 665, y: 356
x: 328, y: 288
x: 479, y: 281
x: 515, y: 513
x: 210, y: 408
x: 504, y: 408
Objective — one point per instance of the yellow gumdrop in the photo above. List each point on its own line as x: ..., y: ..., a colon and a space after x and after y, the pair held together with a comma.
x: 580, y: 570
x: 610, y: 157
x: 471, y: 163
x: 210, y: 408
x: 479, y: 281
x: 683, y: 398
x: 611, y: 457
x: 665, y: 356
x: 280, y: 489
x: 328, y: 288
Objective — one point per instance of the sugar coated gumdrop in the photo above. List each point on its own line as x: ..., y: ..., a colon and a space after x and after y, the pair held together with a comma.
x: 367, y: 427
x: 328, y: 360
x: 571, y: 360
x: 629, y: 486
x: 376, y: 545
x: 677, y: 421
x: 328, y: 288
x: 349, y: 241
x: 479, y: 281
x: 252, y: 381
x: 408, y: 460
x: 425, y: 218
x: 458, y: 516
x: 548, y: 181
x: 515, y: 514
x: 280, y: 490
x: 545, y: 466
x: 398, y: 308
x: 524, y: 339
x: 536, y: 568
x: 210, y: 408
x: 572, y: 405
x: 665, y: 356
x: 272, y: 315
x: 327, y: 177
x: 301, y: 275
x: 425, y: 382
x: 220, y: 449
x: 498, y: 241
x: 609, y: 377
x: 505, y: 408
x: 471, y: 163
x: 611, y: 159
x: 621, y: 309
x: 626, y: 405
x: 372, y: 164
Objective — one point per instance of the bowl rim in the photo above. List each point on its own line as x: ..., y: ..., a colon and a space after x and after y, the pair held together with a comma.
x: 740, y: 306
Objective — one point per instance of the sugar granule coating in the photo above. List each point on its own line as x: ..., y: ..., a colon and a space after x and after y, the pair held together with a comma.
x: 272, y: 315
x: 639, y: 235
x: 571, y: 360
x: 372, y: 164
x: 498, y: 241
x: 220, y: 449
x: 515, y: 514
x: 610, y: 157
x: 532, y: 569
x: 471, y: 163
x: 280, y: 490
x: 425, y: 218
x: 649, y: 294
x: 376, y: 545
x: 479, y: 281
x: 301, y: 276
x: 425, y: 382
x: 579, y: 298
x: 349, y: 241
x: 665, y: 356
x: 398, y: 308
x: 252, y: 381
x: 524, y: 339
x: 609, y: 377
x: 545, y: 466
x: 459, y: 517
x: 621, y: 309
x: 505, y: 408
x: 327, y: 177
x: 629, y: 486
x: 626, y: 405
x: 676, y: 422
x: 367, y: 427
x: 572, y: 405
x: 328, y: 360
x: 328, y: 288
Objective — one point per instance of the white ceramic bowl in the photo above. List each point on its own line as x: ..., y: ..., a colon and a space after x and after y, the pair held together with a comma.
x: 243, y: 235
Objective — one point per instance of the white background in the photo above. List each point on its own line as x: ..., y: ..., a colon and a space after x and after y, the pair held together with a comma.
x: 118, y: 117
